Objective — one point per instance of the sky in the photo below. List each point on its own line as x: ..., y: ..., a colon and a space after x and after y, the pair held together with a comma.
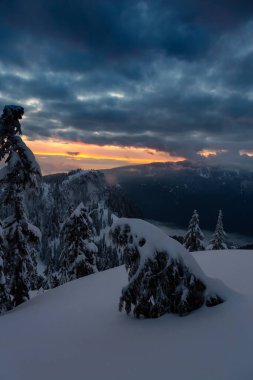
x: 107, y: 83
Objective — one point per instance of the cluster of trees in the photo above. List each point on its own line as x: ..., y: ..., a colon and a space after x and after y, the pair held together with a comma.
x: 77, y: 250
x: 20, y: 240
x: 194, y: 238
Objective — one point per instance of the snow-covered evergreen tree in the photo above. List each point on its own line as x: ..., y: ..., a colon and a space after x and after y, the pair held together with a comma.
x: 5, y: 301
x: 20, y: 173
x: 107, y: 254
x: 102, y: 219
x: 163, y: 278
x: 194, y: 237
x: 51, y: 279
x: 23, y: 240
x: 22, y: 170
x: 78, y: 255
x: 218, y: 239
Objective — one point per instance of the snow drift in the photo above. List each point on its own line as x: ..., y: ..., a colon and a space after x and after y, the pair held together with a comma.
x: 76, y: 332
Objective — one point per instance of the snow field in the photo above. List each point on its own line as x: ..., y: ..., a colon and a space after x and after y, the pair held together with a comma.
x: 75, y: 331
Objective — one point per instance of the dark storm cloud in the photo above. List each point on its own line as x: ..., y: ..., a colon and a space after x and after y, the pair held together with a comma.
x: 175, y: 76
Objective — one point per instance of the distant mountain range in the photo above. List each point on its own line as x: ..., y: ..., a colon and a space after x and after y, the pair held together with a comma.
x: 169, y: 192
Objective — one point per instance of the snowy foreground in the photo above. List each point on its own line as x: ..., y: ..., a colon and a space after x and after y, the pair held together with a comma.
x: 76, y: 332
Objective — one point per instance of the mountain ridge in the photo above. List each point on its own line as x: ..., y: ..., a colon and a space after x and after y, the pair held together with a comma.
x: 169, y: 192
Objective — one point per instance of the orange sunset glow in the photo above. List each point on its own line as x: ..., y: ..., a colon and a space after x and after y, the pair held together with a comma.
x: 78, y: 154
x: 211, y: 152
x: 248, y: 153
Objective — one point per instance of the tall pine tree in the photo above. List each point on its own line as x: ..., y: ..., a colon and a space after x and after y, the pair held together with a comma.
x: 78, y: 255
x: 20, y: 173
x: 194, y: 237
x: 218, y: 239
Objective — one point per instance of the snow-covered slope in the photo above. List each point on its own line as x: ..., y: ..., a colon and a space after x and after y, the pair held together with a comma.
x: 76, y: 332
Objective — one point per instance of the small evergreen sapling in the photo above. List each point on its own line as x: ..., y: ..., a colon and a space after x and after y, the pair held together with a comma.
x: 194, y: 237
x: 218, y: 239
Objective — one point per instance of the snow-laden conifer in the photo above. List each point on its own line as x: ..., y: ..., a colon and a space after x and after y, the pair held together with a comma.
x: 5, y: 301
x: 20, y: 173
x: 194, y: 237
x: 78, y: 255
x: 102, y: 219
x: 218, y: 239
x: 50, y: 275
x: 107, y: 254
x: 163, y: 277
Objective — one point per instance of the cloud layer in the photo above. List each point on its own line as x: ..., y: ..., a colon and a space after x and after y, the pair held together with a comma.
x: 175, y: 76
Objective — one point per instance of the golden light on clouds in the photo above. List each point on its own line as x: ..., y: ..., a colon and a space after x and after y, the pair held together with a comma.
x: 246, y: 153
x: 211, y: 152
x: 83, y: 155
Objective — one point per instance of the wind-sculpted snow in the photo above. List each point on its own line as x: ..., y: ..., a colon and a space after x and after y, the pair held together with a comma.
x: 76, y: 332
x: 163, y: 276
